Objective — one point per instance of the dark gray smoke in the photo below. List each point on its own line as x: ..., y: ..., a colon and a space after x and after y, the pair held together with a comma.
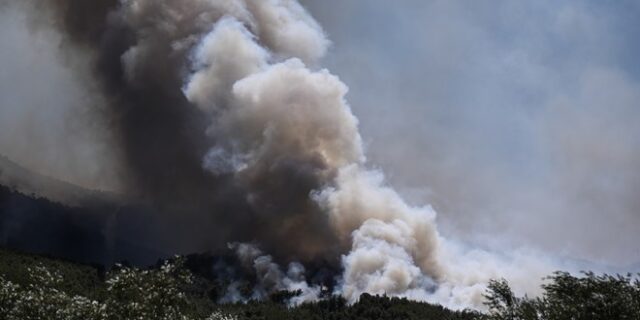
x: 141, y: 52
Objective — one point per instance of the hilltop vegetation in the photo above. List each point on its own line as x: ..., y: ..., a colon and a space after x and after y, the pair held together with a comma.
x: 590, y: 297
x: 34, y: 287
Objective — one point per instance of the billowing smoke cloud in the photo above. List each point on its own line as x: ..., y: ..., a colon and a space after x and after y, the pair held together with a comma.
x: 228, y: 126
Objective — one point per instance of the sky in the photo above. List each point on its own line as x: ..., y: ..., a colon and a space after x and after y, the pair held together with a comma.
x: 517, y: 120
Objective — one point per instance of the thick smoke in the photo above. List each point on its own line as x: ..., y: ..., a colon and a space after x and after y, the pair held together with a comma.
x: 227, y: 125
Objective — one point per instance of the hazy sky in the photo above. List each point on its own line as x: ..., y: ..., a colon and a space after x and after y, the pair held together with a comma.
x: 50, y: 116
x: 517, y: 120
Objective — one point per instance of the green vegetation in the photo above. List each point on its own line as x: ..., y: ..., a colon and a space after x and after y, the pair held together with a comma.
x: 77, y: 279
x: 34, y: 287
x: 590, y: 297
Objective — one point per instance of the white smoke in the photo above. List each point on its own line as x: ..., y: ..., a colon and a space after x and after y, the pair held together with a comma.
x: 287, y: 28
x: 271, y: 278
x: 224, y: 56
x: 467, y: 271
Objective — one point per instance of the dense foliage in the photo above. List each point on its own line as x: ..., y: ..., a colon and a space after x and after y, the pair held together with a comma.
x: 130, y: 294
x: 567, y: 297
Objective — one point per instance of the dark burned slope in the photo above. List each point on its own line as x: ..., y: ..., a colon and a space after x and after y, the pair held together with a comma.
x: 94, y: 234
x: 90, y: 227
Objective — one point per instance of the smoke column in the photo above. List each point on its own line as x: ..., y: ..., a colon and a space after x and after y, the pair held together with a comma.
x: 227, y: 124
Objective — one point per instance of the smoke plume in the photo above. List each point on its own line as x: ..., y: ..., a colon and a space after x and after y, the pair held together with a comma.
x: 225, y: 123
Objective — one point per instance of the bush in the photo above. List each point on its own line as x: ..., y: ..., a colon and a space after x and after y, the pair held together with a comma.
x: 131, y: 294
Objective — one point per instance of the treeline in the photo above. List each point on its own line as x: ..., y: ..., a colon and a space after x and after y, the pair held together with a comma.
x: 336, y: 308
x: 33, y: 287
x: 567, y: 297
